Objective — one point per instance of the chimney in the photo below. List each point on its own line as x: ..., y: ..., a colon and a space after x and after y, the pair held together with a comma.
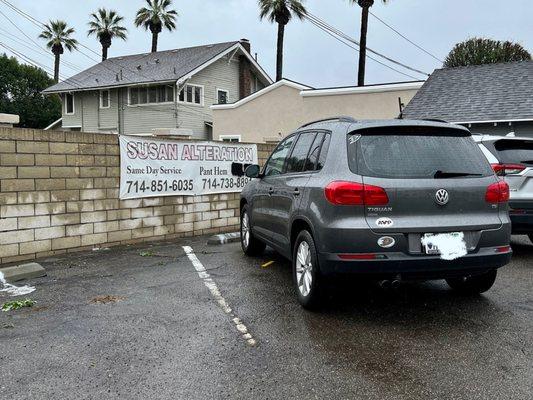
x: 246, y: 44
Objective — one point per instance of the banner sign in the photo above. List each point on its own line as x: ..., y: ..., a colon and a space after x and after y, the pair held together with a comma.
x: 152, y: 167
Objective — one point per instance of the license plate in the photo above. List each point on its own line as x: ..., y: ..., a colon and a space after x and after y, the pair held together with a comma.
x: 432, y: 248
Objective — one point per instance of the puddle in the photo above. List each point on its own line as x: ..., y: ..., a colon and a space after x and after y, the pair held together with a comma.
x: 13, y: 290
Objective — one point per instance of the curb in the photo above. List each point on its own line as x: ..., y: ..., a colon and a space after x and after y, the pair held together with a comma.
x: 23, y: 271
x: 224, y: 238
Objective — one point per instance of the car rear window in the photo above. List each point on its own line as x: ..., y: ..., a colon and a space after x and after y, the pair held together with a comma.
x: 514, y: 151
x: 415, y: 156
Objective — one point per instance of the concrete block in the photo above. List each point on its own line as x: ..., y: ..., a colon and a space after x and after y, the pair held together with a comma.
x: 8, y: 172
x: 23, y: 271
x: 16, y: 236
x: 42, y: 221
x: 35, y: 246
x: 52, y: 160
x: 49, y: 233
x: 8, y: 224
x: 95, y: 216
x: 20, y: 210
x: 50, y: 208
x: 17, y: 185
x: 7, y: 146
x: 34, y: 197
x: 33, y: 172
x: 32, y: 147
x: 50, y: 184
x: 63, y: 148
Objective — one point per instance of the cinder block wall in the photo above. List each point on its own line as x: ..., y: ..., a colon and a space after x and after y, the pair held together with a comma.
x: 59, y: 192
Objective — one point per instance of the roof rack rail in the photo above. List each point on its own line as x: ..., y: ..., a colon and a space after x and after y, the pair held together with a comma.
x: 341, y: 118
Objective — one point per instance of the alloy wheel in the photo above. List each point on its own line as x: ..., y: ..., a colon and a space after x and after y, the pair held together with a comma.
x: 304, y: 269
x: 245, y: 230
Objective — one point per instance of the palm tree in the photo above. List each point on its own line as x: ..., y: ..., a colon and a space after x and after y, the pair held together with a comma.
x: 105, y: 25
x: 365, y: 5
x: 58, y: 35
x: 281, y: 12
x: 156, y: 17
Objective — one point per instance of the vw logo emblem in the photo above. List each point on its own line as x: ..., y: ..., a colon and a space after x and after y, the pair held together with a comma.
x: 442, y: 197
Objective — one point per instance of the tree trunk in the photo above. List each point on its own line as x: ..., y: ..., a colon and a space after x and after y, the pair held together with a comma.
x: 362, y: 47
x: 56, y: 66
x: 154, y: 41
x: 104, y: 53
x: 279, y: 61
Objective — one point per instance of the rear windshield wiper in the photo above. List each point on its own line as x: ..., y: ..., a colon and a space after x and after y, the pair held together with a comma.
x: 443, y: 174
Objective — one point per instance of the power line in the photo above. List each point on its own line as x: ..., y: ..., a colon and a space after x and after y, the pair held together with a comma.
x: 19, y: 41
x: 357, y: 49
x: 406, y: 38
x: 337, y: 32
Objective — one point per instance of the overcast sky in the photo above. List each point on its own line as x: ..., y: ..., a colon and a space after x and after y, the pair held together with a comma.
x: 311, y: 56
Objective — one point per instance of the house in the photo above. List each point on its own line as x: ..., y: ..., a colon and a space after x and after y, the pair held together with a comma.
x: 277, y: 110
x: 167, y: 92
x: 491, y: 98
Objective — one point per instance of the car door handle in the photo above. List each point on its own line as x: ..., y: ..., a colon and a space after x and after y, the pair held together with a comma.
x: 296, y: 192
x: 270, y: 190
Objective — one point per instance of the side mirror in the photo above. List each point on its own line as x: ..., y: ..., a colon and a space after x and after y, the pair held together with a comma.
x: 252, y: 171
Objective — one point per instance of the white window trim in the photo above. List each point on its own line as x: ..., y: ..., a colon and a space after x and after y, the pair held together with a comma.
x: 108, y: 98
x: 73, y: 104
x: 150, y: 104
x: 222, y: 137
x: 202, y: 95
x: 227, y: 95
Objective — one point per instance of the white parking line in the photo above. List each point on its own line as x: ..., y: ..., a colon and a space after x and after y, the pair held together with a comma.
x: 213, y: 288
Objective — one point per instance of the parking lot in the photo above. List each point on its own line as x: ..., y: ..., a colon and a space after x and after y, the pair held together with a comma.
x: 163, y: 321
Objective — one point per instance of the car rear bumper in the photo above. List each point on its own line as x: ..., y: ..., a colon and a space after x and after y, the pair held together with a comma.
x: 416, y: 266
x: 521, y: 223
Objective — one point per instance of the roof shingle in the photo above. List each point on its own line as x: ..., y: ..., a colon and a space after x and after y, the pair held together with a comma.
x: 161, y: 66
x: 491, y: 92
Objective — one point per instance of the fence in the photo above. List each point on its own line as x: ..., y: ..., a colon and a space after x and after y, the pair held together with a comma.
x: 59, y: 192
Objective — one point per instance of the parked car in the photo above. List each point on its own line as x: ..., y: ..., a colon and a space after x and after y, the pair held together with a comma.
x: 393, y: 200
x: 512, y: 159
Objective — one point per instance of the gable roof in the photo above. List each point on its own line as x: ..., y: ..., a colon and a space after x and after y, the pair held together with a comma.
x: 161, y: 66
x: 481, y: 93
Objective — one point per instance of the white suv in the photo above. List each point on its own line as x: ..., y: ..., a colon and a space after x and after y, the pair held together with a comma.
x: 512, y: 159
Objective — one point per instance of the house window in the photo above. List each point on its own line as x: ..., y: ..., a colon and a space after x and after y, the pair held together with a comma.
x: 104, y: 99
x: 69, y: 104
x: 222, y: 96
x: 151, y: 94
x: 192, y: 94
x: 230, y: 138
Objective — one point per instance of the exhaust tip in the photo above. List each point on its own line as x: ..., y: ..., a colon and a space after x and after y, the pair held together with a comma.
x: 385, y: 284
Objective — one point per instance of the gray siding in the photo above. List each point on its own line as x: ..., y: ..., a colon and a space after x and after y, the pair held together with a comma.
x: 220, y: 75
x: 89, y: 116
x: 142, y: 119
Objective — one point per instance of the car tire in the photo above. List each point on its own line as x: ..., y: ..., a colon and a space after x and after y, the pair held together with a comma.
x: 251, y: 246
x: 306, y: 271
x: 474, y: 284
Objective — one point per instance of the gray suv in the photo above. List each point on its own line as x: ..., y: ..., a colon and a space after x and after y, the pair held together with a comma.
x: 391, y: 200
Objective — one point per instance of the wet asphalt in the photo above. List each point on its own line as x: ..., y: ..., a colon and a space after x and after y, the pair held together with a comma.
x: 167, y: 338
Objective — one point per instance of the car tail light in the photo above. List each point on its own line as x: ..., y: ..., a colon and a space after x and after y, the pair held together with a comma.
x: 497, y: 193
x: 355, y: 194
x: 507, y: 169
x: 503, y: 249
